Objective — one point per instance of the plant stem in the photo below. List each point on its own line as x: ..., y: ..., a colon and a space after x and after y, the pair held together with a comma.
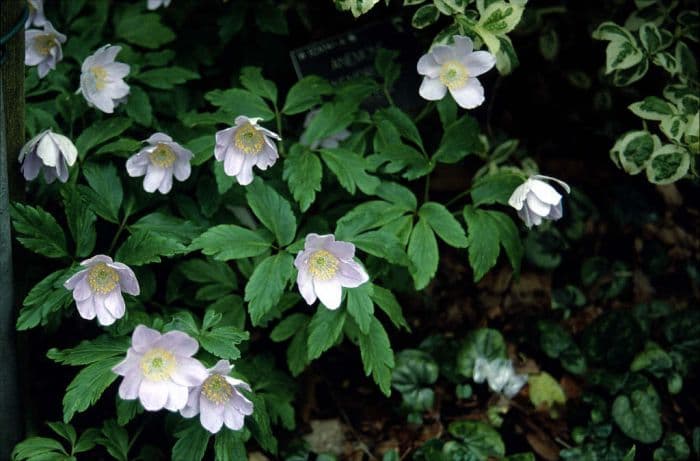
x: 457, y: 197
x: 122, y: 225
x: 425, y: 112
x: 278, y: 120
x: 426, y: 191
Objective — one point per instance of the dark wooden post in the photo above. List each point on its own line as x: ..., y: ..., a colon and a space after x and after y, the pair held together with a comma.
x: 11, y: 140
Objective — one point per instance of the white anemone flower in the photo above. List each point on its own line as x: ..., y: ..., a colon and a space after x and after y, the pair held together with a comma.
x: 536, y: 200
x: 159, y: 162
x: 102, y: 79
x: 218, y: 400
x: 325, y: 266
x: 455, y: 68
x: 245, y: 145
x: 159, y: 370
x: 155, y: 4
x: 97, y: 289
x: 500, y: 375
x: 36, y: 14
x: 330, y: 142
x: 43, y: 48
x: 49, y: 151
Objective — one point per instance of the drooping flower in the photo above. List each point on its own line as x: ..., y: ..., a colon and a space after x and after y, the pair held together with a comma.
x: 536, y: 200
x: 218, y: 400
x: 330, y: 142
x: 155, y: 4
x: 159, y: 369
x: 245, y: 145
x: 159, y: 162
x: 325, y: 266
x: 49, y: 151
x: 102, y: 79
x: 97, y: 289
x: 500, y: 375
x: 43, y: 48
x: 36, y: 14
x: 455, y: 68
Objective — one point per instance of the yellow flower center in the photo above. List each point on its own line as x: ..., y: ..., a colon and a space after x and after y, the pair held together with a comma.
x: 102, y: 278
x: 217, y: 389
x: 323, y: 265
x: 158, y: 364
x: 100, y: 74
x: 162, y: 156
x: 453, y: 74
x: 44, y: 43
x: 248, y: 139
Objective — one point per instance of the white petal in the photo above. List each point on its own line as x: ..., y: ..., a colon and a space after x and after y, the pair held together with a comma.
x: 182, y: 170
x: 329, y: 292
x: 137, y: 164
x: 143, y: 338
x: 72, y: 282
x: 86, y: 308
x: 537, y: 206
x: 153, y: 395
x: 177, y: 397
x: 233, y: 162
x: 545, y: 192
x: 104, y: 316
x: 158, y: 137
x: 154, y: 176
x: 317, y: 242
x: 519, y: 195
x: 47, y: 151
x: 306, y: 286
x: 66, y: 147
x: 189, y: 372
x: 211, y: 415
x: 442, y: 53
x: 463, y: 45
x: 351, y: 274
x: 178, y: 343
x: 481, y: 369
x: 114, y: 303
x: 129, y: 387
x: 82, y: 289
x: 245, y: 176
x: 479, y: 62
x: 432, y: 89
x: 232, y: 418
x: 117, y: 70
x: 471, y: 95
x: 428, y: 66
x: 167, y: 182
x: 192, y: 407
x: 222, y: 367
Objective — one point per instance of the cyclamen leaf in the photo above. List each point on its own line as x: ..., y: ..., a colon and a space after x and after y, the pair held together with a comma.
x: 143, y: 247
x: 324, y: 330
x: 38, y: 231
x: 272, y: 210
x: 266, y: 286
x: 228, y: 241
x: 423, y: 253
x: 303, y: 173
x: 443, y: 224
x: 377, y: 355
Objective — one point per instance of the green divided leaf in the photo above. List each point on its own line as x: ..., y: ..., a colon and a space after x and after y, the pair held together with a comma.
x: 228, y: 241
x: 423, y: 253
x: 324, y: 329
x: 350, y: 169
x: 143, y: 247
x: 105, y: 194
x: 303, y: 173
x: 267, y: 284
x: 305, y: 94
x: 166, y: 78
x: 240, y: 102
x: 99, y: 132
x: 377, y: 355
x: 144, y: 30
x: 272, y: 210
x: 443, y: 224
x: 360, y: 306
x: 38, y: 231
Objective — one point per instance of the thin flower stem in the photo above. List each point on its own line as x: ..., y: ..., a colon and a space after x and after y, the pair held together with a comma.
x: 426, y: 191
x: 425, y: 112
x: 122, y: 225
x: 388, y: 95
x: 457, y: 197
x: 278, y: 120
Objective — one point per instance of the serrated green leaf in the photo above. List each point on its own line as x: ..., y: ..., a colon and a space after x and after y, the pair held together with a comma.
x: 38, y: 231
x: 81, y: 221
x: 144, y: 247
x: 138, y: 106
x: 266, y: 286
x: 144, y: 30
x: 305, y: 94
x: 360, y: 306
x: 192, y: 441
x: 99, y: 132
x: 252, y: 80
x: 443, y: 224
x: 240, y: 102
x: 228, y: 241
x: 222, y: 341
x: 303, y: 173
x: 272, y: 210
x: 377, y: 355
x: 495, y: 188
x: 105, y: 194
x: 350, y: 169
x: 166, y: 78
x: 324, y: 329
x: 423, y: 253
x: 388, y: 303
x: 87, y: 386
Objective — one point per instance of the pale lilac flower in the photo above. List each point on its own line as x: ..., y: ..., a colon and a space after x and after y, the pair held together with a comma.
x: 49, y: 151
x: 159, y: 369
x: 155, y: 4
x: 218, y: 400
x: 102, y: 79
x: 243, y: 146
x: 455, y: 68
x: 43, y: 48
x: 36, y: 14
x: 536, y: 200
x: 330, y: 142
x: 325, y: 266
x: 500, y: 375
x: 98, y: 288
x: 159, y: 161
